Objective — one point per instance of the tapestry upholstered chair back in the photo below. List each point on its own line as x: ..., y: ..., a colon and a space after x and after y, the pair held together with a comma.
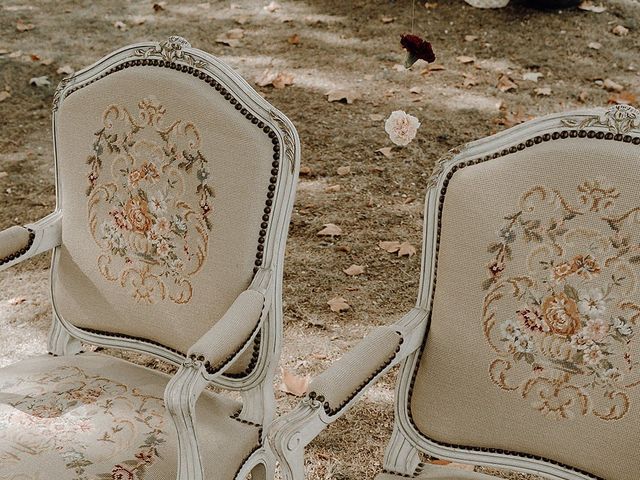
x: 175, y: 184
x: 523, y: 350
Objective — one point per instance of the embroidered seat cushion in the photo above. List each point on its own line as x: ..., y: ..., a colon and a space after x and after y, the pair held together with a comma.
x: 436, y: 472
x: 95, y: 417
x: 163, y: 185
x: 534, y: 341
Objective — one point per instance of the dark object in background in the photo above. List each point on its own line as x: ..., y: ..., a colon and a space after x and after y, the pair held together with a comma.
x: 548, y: 4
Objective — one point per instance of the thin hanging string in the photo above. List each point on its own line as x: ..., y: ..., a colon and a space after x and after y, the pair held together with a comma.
x: 413, y: 13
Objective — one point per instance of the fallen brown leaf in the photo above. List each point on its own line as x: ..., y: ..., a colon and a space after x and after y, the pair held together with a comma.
x: 532, y: 76
x: 272, y: 7
x: 3, y: 96
x: 342, y: 95
x: 305, y: 170
x: 376, y: 117
x: 294, y: 384
x: 611, y: 86
x: 391, y: 247
x: 294, y: 39
x: 159, y: 6
x: 338, y: 304
x: 595, y: 45
x: 332, y: 188
x: 620, y: 31
x: 415, y: 90
x: 354, y: 270
x: 406, y: 249
x: 16, y: 300
x: 583, y: 96
x: 277, y: 80
x: 40, y: 81
x: 543, y: 91
x: 342, y: 171
x: 231, y: 38
x: 623, y: 98
x: 387, y: 19
x: 589, y: 6
x: 465, y: 59
x: 120, y: 25
x: 330, y: 230
x: 470, y: 38
x: 65, y: 70
x: 505, y: 84
x: 22, y: 26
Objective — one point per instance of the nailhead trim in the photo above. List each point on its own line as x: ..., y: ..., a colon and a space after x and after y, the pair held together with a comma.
x: 22, y: 251
x: 252, y: 363
x: 273, y: 180
x: 417, y: 472
x: 130, y: 337
x: 332, y: 411
x: 249, y: 455
x: 521, y: 146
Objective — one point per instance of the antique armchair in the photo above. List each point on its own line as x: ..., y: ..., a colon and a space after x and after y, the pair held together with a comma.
x: 523, y: 350
x: 175, y: 184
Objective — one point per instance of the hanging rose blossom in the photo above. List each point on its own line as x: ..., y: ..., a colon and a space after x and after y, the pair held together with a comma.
x: 401, y: 127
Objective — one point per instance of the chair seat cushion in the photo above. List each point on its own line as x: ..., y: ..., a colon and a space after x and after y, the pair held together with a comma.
x: 95, y: 417
x: 437, y: 472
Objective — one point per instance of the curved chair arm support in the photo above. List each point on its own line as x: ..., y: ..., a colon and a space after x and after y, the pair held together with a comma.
x: 180, y: 397
x: 335, y: 390
x: 22, y: 242
x: 228, y: 339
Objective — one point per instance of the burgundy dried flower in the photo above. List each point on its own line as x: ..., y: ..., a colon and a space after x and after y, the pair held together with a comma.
x: 417, y: 49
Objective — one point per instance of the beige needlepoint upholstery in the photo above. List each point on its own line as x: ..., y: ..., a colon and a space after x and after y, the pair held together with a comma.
x: 437, y: 472
x: 232, y: 331
x: 163, y: 185
x: 368, y: 357
x: 534, y: 341
x: 96, y: 417
x: 12, y: 240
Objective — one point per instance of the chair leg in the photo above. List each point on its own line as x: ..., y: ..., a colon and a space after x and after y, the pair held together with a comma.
x: 401, y: 456
x: 264, y: 471
x: 60, y: 342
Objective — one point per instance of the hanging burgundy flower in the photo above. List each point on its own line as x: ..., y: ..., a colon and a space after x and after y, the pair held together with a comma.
x: 417, y: 49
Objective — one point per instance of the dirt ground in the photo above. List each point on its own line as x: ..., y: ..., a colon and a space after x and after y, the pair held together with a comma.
x: 324, y: 45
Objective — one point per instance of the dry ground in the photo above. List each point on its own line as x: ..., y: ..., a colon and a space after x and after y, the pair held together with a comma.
x: 342, y: 44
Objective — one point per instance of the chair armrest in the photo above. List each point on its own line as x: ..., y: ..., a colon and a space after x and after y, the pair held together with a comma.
x: 341, y: 385
x: 22, y: 242
x: 232, y: 334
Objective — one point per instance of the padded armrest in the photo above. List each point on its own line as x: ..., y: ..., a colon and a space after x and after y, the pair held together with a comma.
x: 15, y: 242
x: 338, y: 385
x: 231, y: 335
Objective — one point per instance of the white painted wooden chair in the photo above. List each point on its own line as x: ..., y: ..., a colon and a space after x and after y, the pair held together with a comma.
x: 175, y: 183
x: 523, y: 350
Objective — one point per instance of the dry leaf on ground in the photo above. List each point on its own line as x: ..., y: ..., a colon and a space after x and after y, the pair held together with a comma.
x: 543, y: 91
x: 387, y: 19
x: 159, y: 6
x: 595, y: 45
x: 3, y: 96
x: 386, y: 151
x: 354, y: 270
x: 294, y: 384
x: 406, y: 249
x: 138, y: 20
x: 16, y: 300
x: 277, y: 80
x: 342, y: 95
x: 469, y: 81
x: 623, y: 98
x: 465, y: 59
x: 272, y: 7
x: 612, y: 86
x: 65, y: 70
x: 376, y: 117
x: 330, y: 230
x: 589, y: 6
x: 342, y: 171
x: 22, y: 26
x: 391, y: 247
x: 231, y: 37
x: 305, y: 170
x: 338, y: 304
x: 3, y: 174
x: 294, y: 39
x: 470, y: 38
x: 415, y: 90
x: 532, y: 76
x: 120, y: 25
x: 505, y: 84
x: 40, y: 81
x: 332, y: 188
x: 620, y: 31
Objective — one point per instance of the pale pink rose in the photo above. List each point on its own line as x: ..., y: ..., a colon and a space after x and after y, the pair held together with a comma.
x: 597, y: 328
x: 163, y: 249
x: 401, y: 127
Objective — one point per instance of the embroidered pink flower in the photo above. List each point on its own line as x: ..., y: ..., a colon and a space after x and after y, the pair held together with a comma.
x: 593, y: 355
x: 561, y: 314
x: 531, y: 318
x: 401, y: 127
x: 163, y: 248
x: 146, y: 457
x: 597, y: 329
x: 121, y: 473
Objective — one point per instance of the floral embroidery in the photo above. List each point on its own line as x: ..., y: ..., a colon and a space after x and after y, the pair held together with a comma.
x: 149, y: 202
x: 60, y: 424
x: 563, y: 320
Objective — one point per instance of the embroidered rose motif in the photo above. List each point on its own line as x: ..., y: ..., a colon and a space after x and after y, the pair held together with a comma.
x: 149, y: 202
x: 564, y: 327
x: 121, y: 473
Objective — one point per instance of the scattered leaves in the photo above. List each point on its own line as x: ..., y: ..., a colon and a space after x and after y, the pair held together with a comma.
x: 342, y: 95
x: 22, y: 26
x: 294, y: 384
x: 505, y: 84
x: 40, y: 81
x: 354, y: 270
x: 621, y: 98
x: 611, y: 86
x: 120, y: 25
x: 589, y: 6
x: 620, y: 31
x: 272, y: 7
x: 65, y: 70
x: 338, y: 304
x: 330, y: 230
x: 278, y: 80
x: 345, y: 170
x: 332, y: 188
x: 305, y: 170
x: 387, y: 19
x: 231, y: 38
x: 406, y: 249
x: 595, y: 45
x: 391, y: 247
